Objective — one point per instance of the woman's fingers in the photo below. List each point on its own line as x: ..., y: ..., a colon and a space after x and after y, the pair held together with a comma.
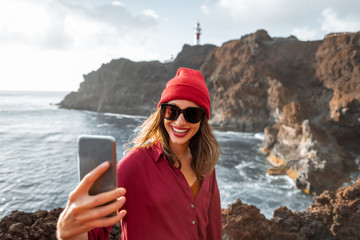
x: 108, y: 221
x: 102, y: 211
x: 73, y: 222
x: 103, y: 198
x: 91, y: 177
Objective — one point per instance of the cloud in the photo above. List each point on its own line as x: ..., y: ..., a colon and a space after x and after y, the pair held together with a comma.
x: 50, y: 44
x: 205, y: 9
x: 250, y: 12
x: 281, y: 18
x: 22, y: 21
x: 305, y: 34
x: 59, y: 25
x: 242, y: 17
x: 333, y: 23
x: 330, y: 21
x: 117, y: 3
x: 151, y: 13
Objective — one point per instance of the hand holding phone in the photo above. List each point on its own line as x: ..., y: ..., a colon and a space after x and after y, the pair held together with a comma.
x: 84, y: 212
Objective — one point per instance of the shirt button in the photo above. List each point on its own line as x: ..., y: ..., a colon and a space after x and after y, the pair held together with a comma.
x: 193, y: 222
x: 192, y: 205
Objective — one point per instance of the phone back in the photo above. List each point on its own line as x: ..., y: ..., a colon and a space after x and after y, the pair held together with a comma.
x: 92, y: 151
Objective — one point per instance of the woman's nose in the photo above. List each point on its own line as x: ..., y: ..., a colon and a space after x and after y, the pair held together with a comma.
x: 181, y: 120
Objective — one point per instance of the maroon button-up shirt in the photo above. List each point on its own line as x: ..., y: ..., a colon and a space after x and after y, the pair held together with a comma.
x: 159, y: 201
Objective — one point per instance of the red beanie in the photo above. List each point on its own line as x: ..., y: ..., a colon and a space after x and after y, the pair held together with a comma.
x: 189, y: 85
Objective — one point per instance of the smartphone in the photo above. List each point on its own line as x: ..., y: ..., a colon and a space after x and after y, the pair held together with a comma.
x: 92, y: 151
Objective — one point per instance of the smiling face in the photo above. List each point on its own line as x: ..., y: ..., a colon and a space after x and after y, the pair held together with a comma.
x: 180, y: 131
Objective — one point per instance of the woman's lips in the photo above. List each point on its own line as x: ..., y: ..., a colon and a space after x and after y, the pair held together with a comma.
x: 179, y: 132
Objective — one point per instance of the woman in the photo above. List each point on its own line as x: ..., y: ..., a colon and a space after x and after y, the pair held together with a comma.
x: 169, y: 175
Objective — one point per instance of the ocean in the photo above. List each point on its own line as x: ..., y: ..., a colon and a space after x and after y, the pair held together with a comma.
x: 38, y: 156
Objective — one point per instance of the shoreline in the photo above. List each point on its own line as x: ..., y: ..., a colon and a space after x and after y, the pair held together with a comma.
x: 334, y: 215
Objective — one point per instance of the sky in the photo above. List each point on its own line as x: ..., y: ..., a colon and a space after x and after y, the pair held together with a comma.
x: 49, y: 45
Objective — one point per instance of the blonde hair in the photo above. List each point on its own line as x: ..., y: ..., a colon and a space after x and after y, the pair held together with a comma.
x: 203, y: 145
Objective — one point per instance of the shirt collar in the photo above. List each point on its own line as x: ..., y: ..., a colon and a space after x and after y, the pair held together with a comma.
x: 157, y: 151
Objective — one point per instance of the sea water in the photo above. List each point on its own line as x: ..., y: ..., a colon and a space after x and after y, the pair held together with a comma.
x: 38, y: 156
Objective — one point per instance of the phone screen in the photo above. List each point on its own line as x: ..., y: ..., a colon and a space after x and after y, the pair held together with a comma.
x: 92, y: 151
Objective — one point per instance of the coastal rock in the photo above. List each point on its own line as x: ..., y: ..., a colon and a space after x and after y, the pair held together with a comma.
x: 38, y: 225
x: 288, y: 88
x: 23, y: 226
x: 334, y: 215
x: 245, y: 222
x: 127, y: 87
x: 338, y: 67
x: 306, y: 153
x: 242, y: 221
x: 255, y: 77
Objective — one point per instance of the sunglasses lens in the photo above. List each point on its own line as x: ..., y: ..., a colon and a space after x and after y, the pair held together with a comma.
x: 193, y: 115
x: 170, y: 112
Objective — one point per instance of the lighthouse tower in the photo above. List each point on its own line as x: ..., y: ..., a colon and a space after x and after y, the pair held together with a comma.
x: 197, y: 31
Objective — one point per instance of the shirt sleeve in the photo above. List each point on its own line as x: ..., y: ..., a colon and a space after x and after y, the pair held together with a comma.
x: 99, y: 233
x: 214, y: 228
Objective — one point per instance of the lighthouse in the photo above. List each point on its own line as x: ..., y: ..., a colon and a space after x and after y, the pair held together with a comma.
x: 197, y: 31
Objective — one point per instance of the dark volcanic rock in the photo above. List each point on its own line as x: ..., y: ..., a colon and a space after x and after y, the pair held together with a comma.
x: 23, y: 226
x: 338, y: 67
x: 255, y: 77
x: 307, y: 154
x: 111, y: 90
x: 39, y: 225
x: 242, y: 221
x: 291, y: 89
x: 334, y: 215
x: 286, y: 86
x: 320, y: 118
x: 124, y: 86
x: 340, y: 210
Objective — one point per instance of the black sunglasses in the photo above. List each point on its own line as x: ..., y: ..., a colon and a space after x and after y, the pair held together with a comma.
x: 191, y: 114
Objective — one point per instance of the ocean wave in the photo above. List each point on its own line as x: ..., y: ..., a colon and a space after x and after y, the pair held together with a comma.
x: 122, y: 116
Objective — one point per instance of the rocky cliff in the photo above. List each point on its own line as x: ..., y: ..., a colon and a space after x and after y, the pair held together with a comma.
x: 334, y: 215
x: 304, y: 96
x: 124, y: 86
